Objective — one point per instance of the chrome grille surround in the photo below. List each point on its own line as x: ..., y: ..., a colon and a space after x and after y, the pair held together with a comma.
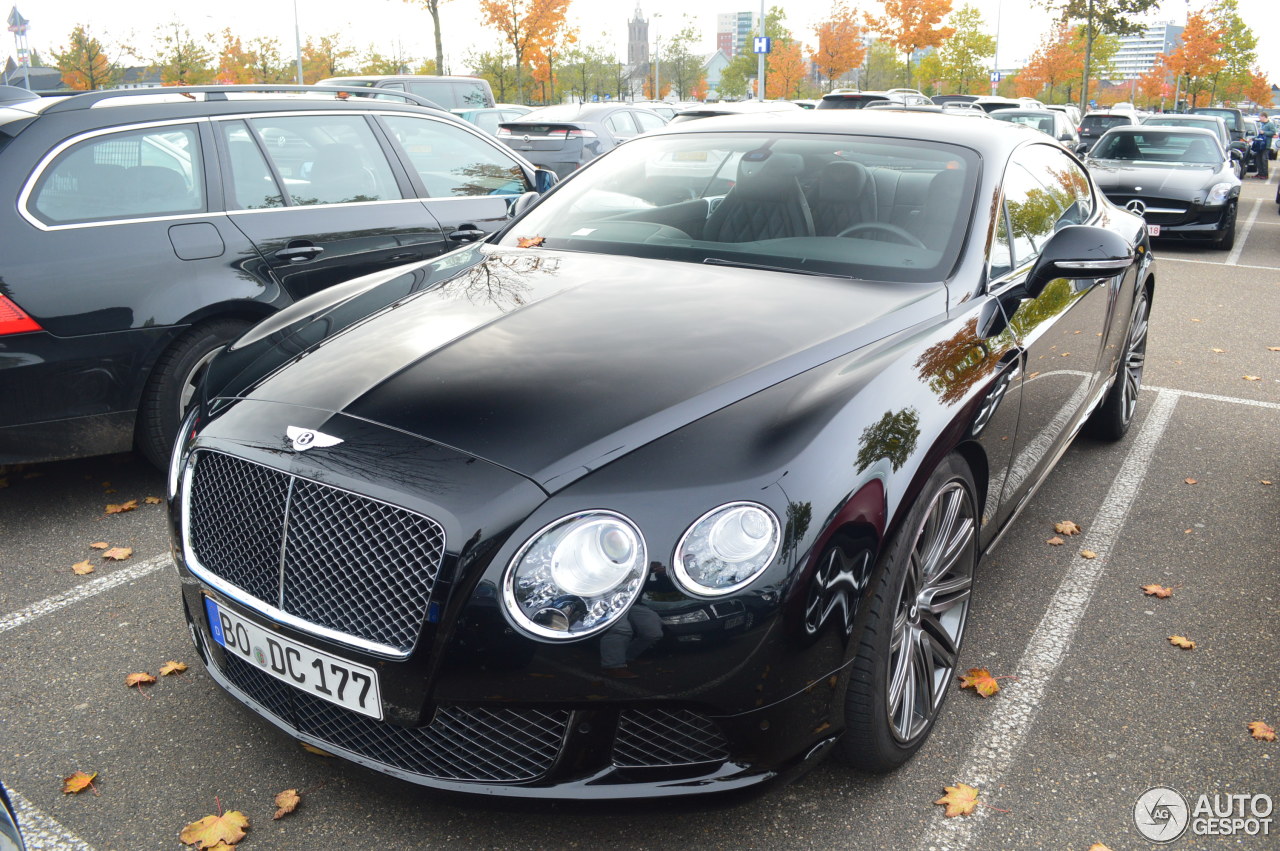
x: 324, y: 560
x: 652, y: 738
x: 464, y: 744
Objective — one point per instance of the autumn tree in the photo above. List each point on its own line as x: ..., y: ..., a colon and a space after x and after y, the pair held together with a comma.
x: 375, y: 61
x: 1259, y: 89
x: 964, y: 56
x: 433, y: 7
x: 524, y: 25
x: 546, y: 54
x: 840, y: 47
x: 787, y: 71
x: 268, y: 62
x: 930, y: 75
x: 496, y: 67
x: 1153, y: 85
x: 1118, y: 17
x: 883, y: 67
x: 911, y: 25
x: 1238, y: 52
x: 590, y: 71
x: 235, y: 64
x: 184, y: 59
x: 681, y: 63
x: 325, y: 58
x: 1198, y: 58
x: 85, y: 63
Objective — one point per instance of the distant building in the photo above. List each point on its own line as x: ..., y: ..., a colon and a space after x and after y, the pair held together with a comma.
x: 713, y: 65
x: 140, y: 78
x: 637, y: 54
x: 1138, y: 53
x: 733, y: 32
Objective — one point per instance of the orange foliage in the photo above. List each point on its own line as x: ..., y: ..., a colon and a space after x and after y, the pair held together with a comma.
x: 840, y: 47
x: 911, y: 25
x: 699, y: 90
x: 1259, y: 89
x: 1154, y: 85
x: 1198, y: 57
x: 1055, y: 62
x: 786, y: 72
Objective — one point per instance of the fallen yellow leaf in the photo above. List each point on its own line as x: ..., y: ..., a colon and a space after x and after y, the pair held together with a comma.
x: 77, y: 783
x: 1182, y: 641
x: 1066, y: 527
x: 287, y: 801
x: 981, y: 681
x: 153, y: 500
x: 959, y: 800
x: 1157, y: 591
x: 315, y: 750
x: 141, y: 678
x: 1088, y: 554
x: 1055, y: 541
x: 209, y: 831
x: 99, y: 545
x: 1219, y: 351
x: 172, y: 667
x: 1262, y: 730
x: 122, y: 507
x: 118, y: 553
x: 1252, y: 378
x: 81, y: 568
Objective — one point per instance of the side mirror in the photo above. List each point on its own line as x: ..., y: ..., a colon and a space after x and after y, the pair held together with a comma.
x: 1082, y: 148
x: 1079, y: 251
x: 544, y: 179
x: 523, y: 203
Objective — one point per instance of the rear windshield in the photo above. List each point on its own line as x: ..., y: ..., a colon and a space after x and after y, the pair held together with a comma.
x: 1104, y: 122
x: 849, y: 101
x: 454, y: 94
x: 1043, y: 123
x: 881, y: 208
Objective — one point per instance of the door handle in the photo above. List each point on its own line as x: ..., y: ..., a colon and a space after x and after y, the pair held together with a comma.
x: 467, y: 234
x: 299, y: 253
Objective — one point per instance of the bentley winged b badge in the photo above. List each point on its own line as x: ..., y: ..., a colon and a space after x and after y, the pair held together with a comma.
x: 304, y: 438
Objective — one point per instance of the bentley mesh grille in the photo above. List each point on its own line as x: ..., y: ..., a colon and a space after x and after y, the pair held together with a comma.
x: 659, y: 737
x: 330, y: 557
x: 471, y: 744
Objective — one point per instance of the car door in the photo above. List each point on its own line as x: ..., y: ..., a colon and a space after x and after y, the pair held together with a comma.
x: 467, y: 181
x: 621, y: 126
x: 1061, y: 332
x: 319, y: 196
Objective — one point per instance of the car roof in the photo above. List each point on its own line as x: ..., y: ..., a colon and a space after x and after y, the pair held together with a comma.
x: 1024, y: 110
x: 982, y: 136
x: 1142, y: 128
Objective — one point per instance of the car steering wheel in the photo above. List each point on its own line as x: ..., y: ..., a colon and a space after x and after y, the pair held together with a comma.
x: 905, y: 236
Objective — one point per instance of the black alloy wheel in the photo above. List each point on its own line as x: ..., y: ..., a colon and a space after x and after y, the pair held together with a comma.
x: 1227, y: 236
x: 915, y: 621
x: 1113, y: 417
x: 173, y: 383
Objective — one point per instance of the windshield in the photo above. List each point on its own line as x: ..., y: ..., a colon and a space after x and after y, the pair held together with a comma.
x: 854, y: 206
x: 1159, y: 146
x: 1206, y: 123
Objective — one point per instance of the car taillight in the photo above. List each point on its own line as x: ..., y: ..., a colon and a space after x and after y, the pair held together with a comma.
x: 582, y: 134
x: 14, y: 320
x: 504, y: 131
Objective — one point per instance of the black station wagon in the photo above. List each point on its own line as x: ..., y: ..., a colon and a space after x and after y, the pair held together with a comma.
x: 141, y: 231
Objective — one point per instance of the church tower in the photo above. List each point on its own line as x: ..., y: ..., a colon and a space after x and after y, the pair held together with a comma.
x: 638, y: 40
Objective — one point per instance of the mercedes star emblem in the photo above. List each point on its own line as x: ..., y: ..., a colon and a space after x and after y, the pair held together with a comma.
x: 304, y: 438
x: 1136, y: 206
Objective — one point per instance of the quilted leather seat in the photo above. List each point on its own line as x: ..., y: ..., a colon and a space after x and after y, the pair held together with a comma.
x: 846, y: 197
x: 767, y: 202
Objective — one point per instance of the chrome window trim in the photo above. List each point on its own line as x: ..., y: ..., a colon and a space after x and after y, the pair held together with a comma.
x: 265, y: 609
x: 24, y: 197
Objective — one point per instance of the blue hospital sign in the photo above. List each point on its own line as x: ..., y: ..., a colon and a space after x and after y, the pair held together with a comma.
x: 764, y: 44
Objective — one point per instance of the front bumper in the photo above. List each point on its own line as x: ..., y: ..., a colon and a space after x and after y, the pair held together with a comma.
x: 618, y: 750
x: 1181, y: 219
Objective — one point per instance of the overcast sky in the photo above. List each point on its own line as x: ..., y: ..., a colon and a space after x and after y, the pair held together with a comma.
x: 385, y: 23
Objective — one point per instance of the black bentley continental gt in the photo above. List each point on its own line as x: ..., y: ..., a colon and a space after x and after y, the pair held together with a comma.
x: 1179, y: 179
x: 680, y: 481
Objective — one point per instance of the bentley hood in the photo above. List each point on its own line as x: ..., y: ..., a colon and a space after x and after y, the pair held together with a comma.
x: 551, y: 364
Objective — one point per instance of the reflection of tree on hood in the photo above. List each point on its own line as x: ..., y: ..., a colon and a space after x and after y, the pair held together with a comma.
x: 893, y: 437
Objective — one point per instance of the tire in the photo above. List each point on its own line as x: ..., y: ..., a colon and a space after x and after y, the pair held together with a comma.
x: 173, y: 382
x: 1113, y: 417
x: 907, y: 650
x: 1227, y: 240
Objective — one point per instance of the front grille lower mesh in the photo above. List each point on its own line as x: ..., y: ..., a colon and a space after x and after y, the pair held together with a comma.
x: 472, y: 744
x: 330, y: 557
x: 660, y: 737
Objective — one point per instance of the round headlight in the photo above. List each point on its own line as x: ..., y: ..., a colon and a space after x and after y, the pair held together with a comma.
x: 727, y: 548
x: 1219, y: 193
x: 576, y: 576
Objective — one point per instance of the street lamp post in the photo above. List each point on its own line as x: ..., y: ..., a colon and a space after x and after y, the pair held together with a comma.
x: 297, y: 41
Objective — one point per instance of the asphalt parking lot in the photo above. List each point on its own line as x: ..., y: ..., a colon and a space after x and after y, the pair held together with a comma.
x: 1099, y: 707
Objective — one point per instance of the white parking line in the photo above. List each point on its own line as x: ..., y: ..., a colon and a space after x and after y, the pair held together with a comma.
x: 49, y: 605
x: 42, y: 832
x: 1164, y: 258
x: 1002, y: 735
x: 1233, y: 259
x: 1213, y: 397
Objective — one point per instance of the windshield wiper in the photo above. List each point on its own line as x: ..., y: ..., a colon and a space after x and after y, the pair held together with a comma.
x: 740, y: 264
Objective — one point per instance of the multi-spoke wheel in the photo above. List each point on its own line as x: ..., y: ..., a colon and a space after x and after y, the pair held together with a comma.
x: 1113, y: 417
x: 915, y: 620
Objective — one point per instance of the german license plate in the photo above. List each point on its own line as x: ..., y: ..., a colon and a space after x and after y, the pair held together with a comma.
x: 1153, y: 230
x: 315, y: 672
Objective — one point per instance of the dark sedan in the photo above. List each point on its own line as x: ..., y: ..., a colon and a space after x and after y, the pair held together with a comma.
x: 565, y: 138
x: 677, y: 484
x: 1180, y: 180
